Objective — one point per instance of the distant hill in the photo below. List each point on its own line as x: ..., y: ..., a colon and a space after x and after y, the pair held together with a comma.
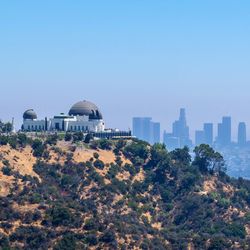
x: 57, y: 192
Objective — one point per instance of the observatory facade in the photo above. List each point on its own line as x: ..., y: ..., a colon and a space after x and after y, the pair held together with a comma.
x: 83, y: 116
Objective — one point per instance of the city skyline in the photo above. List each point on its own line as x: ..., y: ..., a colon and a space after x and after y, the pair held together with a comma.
x: 192, y: 130
x: 218, y: 134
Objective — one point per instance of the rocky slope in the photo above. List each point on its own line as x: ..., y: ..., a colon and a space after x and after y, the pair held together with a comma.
x: 118, y: 195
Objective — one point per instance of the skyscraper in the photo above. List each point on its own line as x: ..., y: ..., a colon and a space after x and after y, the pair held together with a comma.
x: 145, y: 129
x: 170, y: 141
x: 208, y: 133
x: 155, y: 133
x: 242, y: 134
x: 199, y: 137
x: 141, y: 128
x: 224, y: 131
x: 183, y: 129
x: 180, y: 133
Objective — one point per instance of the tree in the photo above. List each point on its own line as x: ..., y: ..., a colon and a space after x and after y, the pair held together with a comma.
x: 88, y: 138
x: 158, y: 153
x: 181, y: 155
x: 160, y: 171
x: 60, y: 216
x: 208, y: 160
x: 5, y: 127
x: 136, y: 149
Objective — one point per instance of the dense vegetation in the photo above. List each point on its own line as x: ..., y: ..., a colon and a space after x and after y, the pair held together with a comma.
x: 157, y: 201
x: 5, y: 127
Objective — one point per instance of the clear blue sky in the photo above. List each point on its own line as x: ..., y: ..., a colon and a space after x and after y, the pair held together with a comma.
x: 132, y: 58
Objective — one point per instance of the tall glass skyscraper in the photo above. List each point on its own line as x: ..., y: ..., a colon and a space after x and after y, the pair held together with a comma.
x: 199, y: 137
x: 204, y: 136
x: 145, y: 129
x: 224, y: 131
x: 180, y: 133
x: 208, y: 133
x: 242, y: 134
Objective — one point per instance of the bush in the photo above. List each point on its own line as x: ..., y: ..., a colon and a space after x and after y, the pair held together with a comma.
x: 38, y: 148
x: 68, y: 137
x: 13, y: 142
x: 88, y: 138
x: 60, y: 216
x: 218, y: 243
x: 4, y: 242
x: 235, y: 230
x: 3, y: 140
x: 78, y: 137
x: 6, y: 170
x: 52, y: 139
x: 108, y: 237
x: 68, y: 242
x: 96, y: 155
x: 99, y: 164
x: 105, y: 144
x: 23, y: 140
x: 90, y: 224
x: 91, y: 239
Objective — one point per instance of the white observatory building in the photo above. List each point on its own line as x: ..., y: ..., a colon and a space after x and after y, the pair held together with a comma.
x: 83, y: 116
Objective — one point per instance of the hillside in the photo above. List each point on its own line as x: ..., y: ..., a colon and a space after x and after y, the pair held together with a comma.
x: 61, y: 193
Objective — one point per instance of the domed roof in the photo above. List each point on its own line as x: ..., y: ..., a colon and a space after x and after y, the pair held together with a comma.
x: 29, y: 114
x: 86, y: 108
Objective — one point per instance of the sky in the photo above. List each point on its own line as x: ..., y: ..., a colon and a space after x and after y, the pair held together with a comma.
x: 131, y: 58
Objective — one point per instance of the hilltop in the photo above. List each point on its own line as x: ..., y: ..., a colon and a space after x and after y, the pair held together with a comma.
x: 61, y: 193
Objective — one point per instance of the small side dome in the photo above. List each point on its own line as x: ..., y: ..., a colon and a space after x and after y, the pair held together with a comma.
x: 29, y: 114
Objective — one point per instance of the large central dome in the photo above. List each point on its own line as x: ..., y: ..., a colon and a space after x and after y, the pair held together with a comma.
x: 85, y: 108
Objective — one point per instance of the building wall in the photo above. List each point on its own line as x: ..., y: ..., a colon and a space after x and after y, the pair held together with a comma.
x: 65, y: 124
x: 33, y: 125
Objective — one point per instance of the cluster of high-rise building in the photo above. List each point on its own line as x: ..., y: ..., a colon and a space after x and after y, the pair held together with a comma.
x: 144, y: 128
x: 224, y: 134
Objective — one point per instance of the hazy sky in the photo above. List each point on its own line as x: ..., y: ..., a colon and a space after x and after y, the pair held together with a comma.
x: 132, y: 58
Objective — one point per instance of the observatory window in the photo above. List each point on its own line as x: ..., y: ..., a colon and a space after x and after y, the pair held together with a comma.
x: 57, y: 126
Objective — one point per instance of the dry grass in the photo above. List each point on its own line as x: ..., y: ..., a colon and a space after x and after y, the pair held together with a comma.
x: 6, y: 183
x: 21, y: 160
